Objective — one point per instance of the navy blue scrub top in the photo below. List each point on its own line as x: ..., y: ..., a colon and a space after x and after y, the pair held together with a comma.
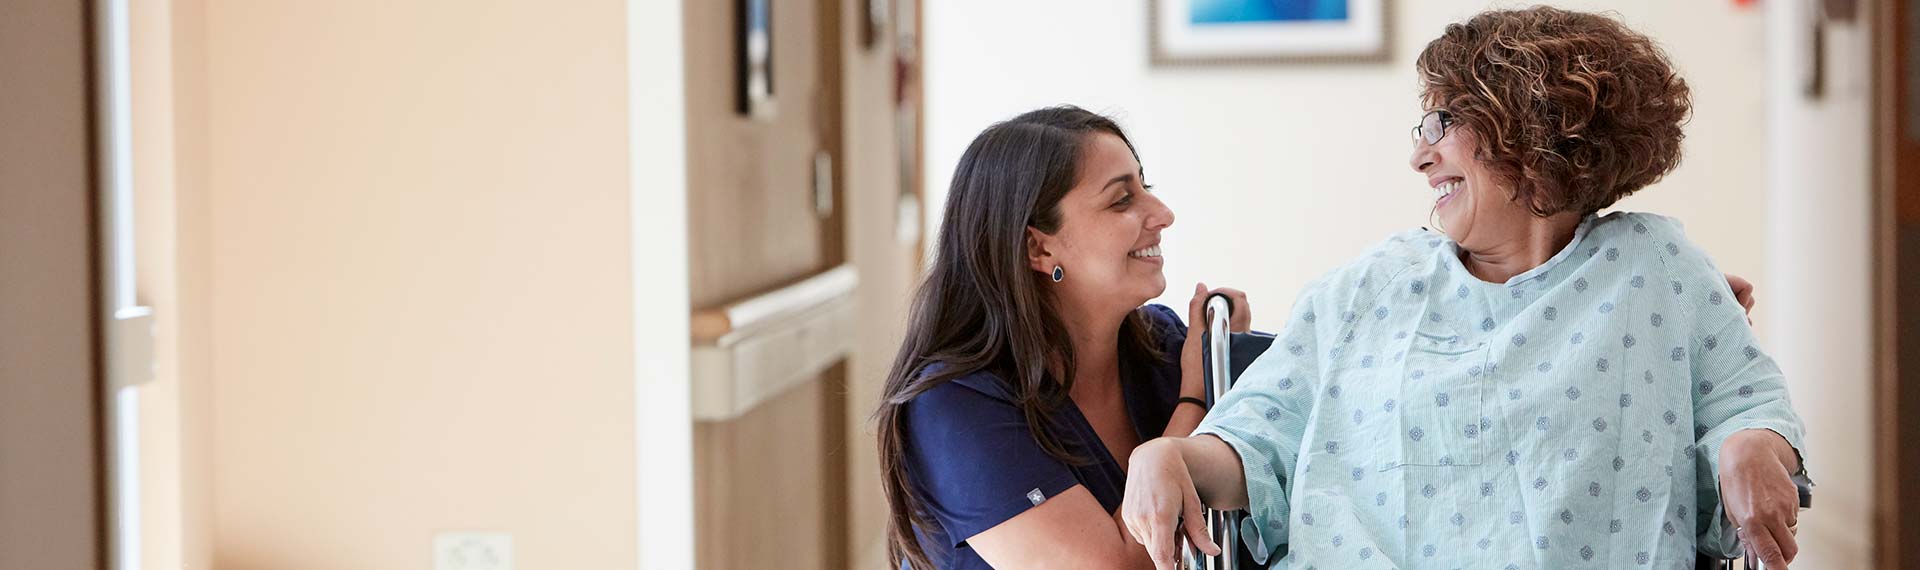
x: 975, y: 464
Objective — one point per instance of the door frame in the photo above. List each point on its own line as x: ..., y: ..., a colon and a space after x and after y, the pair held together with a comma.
x: 52, y: 446
x: 1896, y: 231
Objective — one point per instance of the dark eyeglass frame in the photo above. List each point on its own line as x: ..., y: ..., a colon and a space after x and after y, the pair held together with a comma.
x: 1433, y: 126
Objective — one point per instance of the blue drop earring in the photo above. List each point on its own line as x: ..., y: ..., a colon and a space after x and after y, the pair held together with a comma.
x: 1058, y: 274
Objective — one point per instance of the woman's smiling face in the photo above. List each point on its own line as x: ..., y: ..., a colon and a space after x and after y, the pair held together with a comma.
x: 1474, y: 207
x: 1108, y: 244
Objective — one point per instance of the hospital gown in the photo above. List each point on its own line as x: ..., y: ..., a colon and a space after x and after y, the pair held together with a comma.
x: 1413, y: 416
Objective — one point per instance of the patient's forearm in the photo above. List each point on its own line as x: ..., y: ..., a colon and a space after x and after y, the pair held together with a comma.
x: 1216, y: 470
x: 1766, y: 441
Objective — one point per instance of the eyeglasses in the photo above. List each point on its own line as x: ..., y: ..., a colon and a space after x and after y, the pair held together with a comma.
x: 1433, y: 126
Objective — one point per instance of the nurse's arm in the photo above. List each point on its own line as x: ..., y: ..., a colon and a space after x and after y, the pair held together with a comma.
x: 1070, y: 530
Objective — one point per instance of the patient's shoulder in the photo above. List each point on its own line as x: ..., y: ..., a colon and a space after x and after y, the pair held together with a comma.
x: 1362, y: 279
x: 1653, y: 236
x: 1622, y: 224
x: 1658, y: 241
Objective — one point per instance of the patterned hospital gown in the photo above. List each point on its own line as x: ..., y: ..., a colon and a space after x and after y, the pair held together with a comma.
x: 1413, y: 416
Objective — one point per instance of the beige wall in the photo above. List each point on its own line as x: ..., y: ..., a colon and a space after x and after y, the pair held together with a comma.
x: 1820, y: 247
x: 421, y: 273
x: 156, y: 215
x: 192, y: 359
x: 410, y: 229
x: 408, y: 277
x: 1278, y: 173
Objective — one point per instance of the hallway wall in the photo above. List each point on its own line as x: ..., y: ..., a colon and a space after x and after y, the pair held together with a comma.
x: 1820, y: 251
x: 1278, y: 173
x: 422, y: 281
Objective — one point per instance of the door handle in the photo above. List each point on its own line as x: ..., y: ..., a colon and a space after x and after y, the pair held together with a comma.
x: 822, y: 185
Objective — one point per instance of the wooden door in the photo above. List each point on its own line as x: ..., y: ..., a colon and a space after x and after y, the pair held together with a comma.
x: 764, y: 218
x: 754, y: 223
x: 1896, y: 47
x: 51, y: 458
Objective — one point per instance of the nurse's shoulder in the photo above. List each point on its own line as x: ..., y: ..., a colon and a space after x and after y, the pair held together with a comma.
x: 969, y: 389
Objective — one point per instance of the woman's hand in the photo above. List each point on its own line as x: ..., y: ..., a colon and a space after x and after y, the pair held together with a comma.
x: 1757, y: 488
x: 1742, y: 292
x: 1160, y: 502
x: 1192, y: 382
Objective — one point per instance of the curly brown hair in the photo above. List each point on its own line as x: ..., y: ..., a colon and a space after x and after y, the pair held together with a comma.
x: 1574, y: 110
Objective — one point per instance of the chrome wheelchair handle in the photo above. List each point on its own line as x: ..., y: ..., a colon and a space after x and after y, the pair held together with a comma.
x: 1220, y: 343
x: 1221, y: 525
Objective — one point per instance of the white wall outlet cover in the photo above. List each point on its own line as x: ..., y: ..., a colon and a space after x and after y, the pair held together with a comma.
x: 472, y: 551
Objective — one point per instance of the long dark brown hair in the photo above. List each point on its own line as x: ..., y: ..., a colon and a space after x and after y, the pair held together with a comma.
x: 982, y: 308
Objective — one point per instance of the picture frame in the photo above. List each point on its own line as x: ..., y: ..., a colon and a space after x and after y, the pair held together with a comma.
x: 873, y: 21
x: 1227, y: 32
x: 755, y: 61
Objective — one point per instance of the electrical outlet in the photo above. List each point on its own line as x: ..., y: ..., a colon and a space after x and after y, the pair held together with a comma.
x: 472, y: 551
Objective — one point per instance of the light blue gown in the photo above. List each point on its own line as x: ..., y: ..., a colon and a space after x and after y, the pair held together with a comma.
x: 1413, y: 416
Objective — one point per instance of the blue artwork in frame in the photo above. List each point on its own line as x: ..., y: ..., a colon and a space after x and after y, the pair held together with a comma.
x: 1254, y: 31
x: 1203, y: 12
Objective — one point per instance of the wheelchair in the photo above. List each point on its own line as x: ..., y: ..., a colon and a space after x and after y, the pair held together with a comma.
x: 1227, y: 355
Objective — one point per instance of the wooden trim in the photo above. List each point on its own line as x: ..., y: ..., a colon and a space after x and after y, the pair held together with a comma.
x: 1896, y: 202
x: 914, y: 75
x: 831, y: 128
x: 103, y: 507
x: 709, y: 325
x: 834, y: 457
x: 1885, y: 471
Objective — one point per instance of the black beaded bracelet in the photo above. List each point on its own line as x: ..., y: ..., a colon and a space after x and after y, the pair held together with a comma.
x: 1192, y: 400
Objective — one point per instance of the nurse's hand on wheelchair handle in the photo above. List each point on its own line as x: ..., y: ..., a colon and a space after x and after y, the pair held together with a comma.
x: 1160, y: 503
x: 1192, y: 383
x: 1756, y: 486
x: 1242, y: 319
x: 1742, y: 292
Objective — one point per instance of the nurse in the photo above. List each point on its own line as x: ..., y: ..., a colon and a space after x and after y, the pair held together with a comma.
x: 1536, y: 386
x: 1031, y: 368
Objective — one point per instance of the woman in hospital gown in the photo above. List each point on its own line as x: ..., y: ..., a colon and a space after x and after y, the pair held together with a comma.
x: 1538, y: 386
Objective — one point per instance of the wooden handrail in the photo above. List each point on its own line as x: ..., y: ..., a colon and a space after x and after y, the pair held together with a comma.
x: 711, y: 325
x: 745, y: 353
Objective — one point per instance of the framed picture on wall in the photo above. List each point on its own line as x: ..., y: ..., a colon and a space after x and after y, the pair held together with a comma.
x: 1189, y: 32
x: 873, y: 26
x: 754, y: 65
